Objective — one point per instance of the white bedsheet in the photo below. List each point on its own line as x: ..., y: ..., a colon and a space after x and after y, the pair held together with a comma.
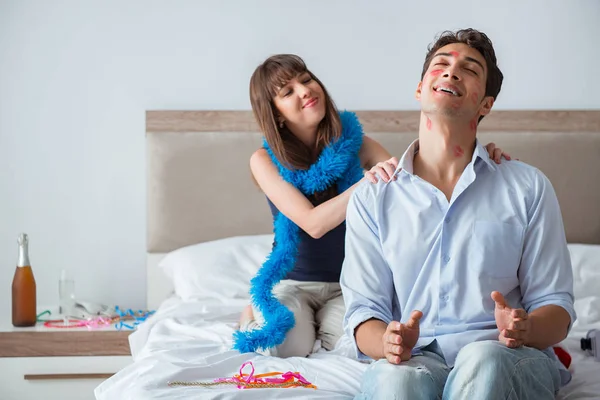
x: 189, y: 341
x: 585, y: 370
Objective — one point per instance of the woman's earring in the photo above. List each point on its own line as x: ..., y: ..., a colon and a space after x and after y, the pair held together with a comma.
x: 281, y: 124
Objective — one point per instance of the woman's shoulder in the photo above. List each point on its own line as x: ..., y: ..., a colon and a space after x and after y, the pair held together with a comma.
x: 260, y: 159
x: 260, y: 153
x: 260, y: 156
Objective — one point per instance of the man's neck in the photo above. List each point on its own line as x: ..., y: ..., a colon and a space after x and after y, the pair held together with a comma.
x: 446, y: 147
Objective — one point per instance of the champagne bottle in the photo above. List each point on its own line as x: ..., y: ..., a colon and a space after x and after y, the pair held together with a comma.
x: 23, y: 288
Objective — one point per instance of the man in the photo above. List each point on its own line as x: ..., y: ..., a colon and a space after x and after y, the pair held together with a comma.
x: 457, y: 276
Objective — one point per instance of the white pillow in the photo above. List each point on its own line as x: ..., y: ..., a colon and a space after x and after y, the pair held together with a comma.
x: 219, y: 269
x: 585, y: 259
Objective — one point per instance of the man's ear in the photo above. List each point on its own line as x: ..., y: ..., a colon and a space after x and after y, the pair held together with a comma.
x: 418, y: 91
x: 486, y: 105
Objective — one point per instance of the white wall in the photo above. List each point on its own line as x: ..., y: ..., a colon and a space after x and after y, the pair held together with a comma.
x: 76, y: 77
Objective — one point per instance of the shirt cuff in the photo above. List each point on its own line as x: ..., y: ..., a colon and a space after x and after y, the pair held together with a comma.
x: 561, y: 302
x: 355, y: 320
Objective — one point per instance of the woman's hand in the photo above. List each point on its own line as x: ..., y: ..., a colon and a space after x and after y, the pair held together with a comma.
x: 496, y: 153
x: 385, y: 170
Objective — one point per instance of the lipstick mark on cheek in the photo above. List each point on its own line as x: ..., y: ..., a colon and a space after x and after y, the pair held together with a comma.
x: 435, y: 72
x: 428, y: 124
x: 474, y: 98
x: 458, y: 151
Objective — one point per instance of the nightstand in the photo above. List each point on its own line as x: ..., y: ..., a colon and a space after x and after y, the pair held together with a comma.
x: 53, y: 363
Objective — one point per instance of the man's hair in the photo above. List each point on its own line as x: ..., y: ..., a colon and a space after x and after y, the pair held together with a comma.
x: 478, y: 41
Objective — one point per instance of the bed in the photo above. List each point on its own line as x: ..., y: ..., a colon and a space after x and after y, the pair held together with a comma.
x: 209, y: 229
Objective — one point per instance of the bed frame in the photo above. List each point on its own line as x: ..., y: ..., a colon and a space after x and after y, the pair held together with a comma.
x: 199, y: 186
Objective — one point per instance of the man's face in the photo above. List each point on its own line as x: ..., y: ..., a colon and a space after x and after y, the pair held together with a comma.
x: 454, y: 83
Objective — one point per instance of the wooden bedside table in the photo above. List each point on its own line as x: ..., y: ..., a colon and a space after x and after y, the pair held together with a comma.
x: 54, y: 363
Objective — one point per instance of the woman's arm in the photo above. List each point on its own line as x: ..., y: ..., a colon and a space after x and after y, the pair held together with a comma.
x: 376, y: 159
x: 316, y: 221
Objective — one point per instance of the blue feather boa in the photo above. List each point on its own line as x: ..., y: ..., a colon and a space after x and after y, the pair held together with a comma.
x: 337, y: 164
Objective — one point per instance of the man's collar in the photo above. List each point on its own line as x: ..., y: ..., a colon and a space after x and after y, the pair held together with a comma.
x: 408, y: 158
x: 406, y: 163
x: 481, y: 152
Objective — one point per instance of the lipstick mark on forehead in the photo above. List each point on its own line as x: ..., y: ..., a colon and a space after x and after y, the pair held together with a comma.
x: 454, y: 53
x: 458, y: 151
x: 428, y: 124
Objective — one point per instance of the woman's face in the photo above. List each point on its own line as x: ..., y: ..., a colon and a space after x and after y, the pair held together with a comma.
x: 301, y: 103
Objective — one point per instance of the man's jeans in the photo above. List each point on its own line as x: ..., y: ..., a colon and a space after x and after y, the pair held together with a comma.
x: 483, y: 370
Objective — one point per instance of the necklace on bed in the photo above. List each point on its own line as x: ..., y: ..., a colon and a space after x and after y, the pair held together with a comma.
x: 251, y: 381
x: 338, y: 164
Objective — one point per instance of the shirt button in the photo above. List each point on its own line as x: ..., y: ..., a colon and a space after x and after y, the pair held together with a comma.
x: 447, y: 219
x: 446, y: 259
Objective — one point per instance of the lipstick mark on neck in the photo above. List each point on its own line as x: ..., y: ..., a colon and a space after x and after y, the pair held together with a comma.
x: 428, y: 124
x: 458, y: 151
x: 473, y: 124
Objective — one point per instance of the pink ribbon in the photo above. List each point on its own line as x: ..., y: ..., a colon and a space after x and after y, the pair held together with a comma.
x: 250, y: 379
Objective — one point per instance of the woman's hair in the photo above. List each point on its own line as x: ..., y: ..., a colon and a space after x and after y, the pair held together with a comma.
x: 266, y: 80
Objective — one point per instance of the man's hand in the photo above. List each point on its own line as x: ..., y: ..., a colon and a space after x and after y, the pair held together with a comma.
x: 399, y: 339
x: 512, y: 323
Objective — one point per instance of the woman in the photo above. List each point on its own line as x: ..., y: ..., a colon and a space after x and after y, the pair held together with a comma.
x: 312, y: 159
